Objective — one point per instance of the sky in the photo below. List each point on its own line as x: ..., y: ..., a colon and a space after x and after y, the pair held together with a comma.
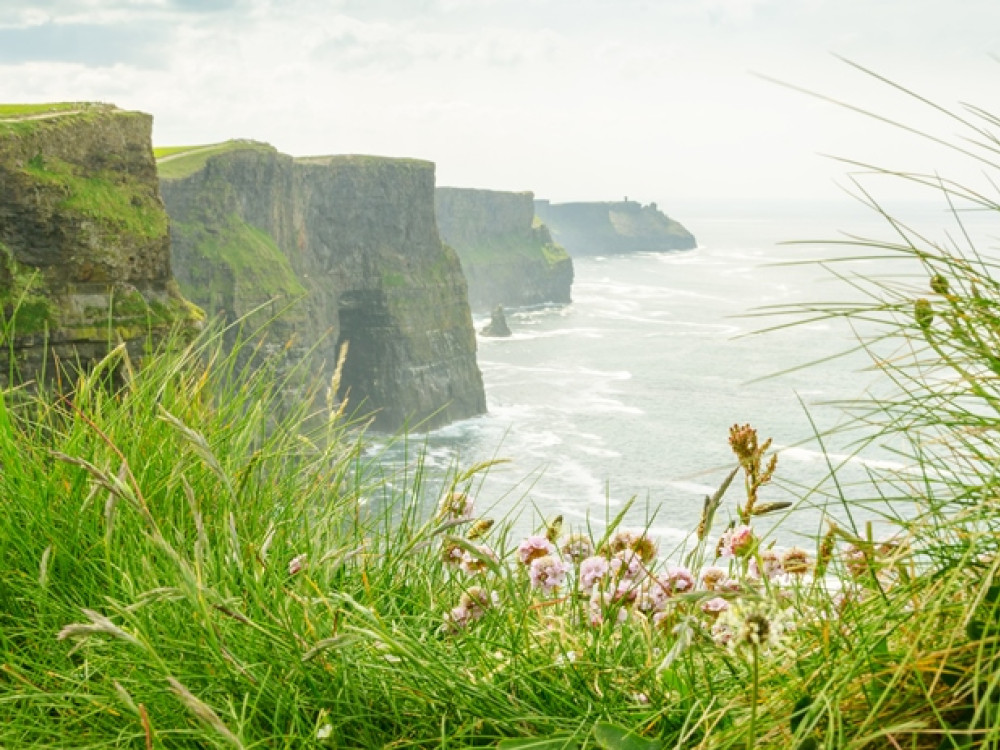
x: 672, y: 101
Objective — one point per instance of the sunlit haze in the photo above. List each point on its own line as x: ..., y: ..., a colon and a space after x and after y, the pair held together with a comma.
x: 572, y: 99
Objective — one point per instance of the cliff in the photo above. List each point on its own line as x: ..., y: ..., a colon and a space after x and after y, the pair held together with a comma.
x: 608, y: 228
x: 351, y: 243
x: 84, y: 244
x: 508, y: 257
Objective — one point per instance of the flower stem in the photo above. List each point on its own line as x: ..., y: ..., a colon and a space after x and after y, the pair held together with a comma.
x: 753, y: 699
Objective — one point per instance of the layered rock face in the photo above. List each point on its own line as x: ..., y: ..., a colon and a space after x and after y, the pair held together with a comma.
x: 84, y: 243
x: 352, y: 242
x: 608, y: 228
x: 508, y: 257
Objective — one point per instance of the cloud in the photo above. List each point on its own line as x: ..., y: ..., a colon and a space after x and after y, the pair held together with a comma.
x: 132, y: 44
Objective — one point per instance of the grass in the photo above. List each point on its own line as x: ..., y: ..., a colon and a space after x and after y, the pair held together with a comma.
x: 190, y: 561
x: 259, y: 269
x: 178, y: 162
x: 11, y: 111
x: 119, y: 203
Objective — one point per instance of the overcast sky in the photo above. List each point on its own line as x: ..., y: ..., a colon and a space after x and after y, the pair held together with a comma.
x: 573, y: 99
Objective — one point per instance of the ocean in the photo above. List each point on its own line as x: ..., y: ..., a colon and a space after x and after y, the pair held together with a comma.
x: 628, y: 393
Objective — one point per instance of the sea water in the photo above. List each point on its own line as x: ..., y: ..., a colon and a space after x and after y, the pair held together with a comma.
x: 627, y: 394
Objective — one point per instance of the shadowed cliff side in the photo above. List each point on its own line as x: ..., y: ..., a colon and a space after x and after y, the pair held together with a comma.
x: 509, y: 257
x: 354, y: 241
x: 84, y: 245
x: 608, y: 228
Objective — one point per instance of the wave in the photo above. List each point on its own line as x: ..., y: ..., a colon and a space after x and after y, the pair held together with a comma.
x: 805, y: 455
x: 693, y: 487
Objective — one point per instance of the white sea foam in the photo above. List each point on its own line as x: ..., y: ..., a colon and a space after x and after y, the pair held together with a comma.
x: 693, y: 487
x: 804, y: 455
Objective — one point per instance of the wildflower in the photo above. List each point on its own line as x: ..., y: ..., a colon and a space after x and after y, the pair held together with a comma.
x: 472, y: 564
x: 627, y: 589
x: 602, y: 603
x: 729, y: 585
x: 324, y: 732
x: 577, y: 547
x: 533, y: 547
x: 455, y: 506
x: 471, y: 606
x: 592, y: 570
x: 548, y: 573
x: 651, y: 596
x: 477, y: 600
x: 297, y: 564
x: 641, y: 698
x: 771, y: 563
x: 753, y: 627
x: 627, y: 564
x: 722, y: 632
x: 714, y: 606
x: 452, y: 553
x: 677, y: 579
x: 457, y: 618
x: 796, y: 561
x: 635, y: 541
x: 856, y: 560
x: 712, y: 576
x: 737, y: 542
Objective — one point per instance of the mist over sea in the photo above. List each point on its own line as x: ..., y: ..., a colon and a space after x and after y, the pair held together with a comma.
x: 630, y: 390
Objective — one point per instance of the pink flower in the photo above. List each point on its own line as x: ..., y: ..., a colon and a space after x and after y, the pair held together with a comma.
x: 737, y: 542
x: 714, y: 606
x: 678, y: 579
x: 772, y: 565
x: 577, y: 547
x: 627, y: 590
x: 457, y: 618
x: 297, y: 564
x: 636, y: 541
x: 473, y: 564
x: 535, y: 546
x: 602, y: 603
x: 472, y: 606
x: 712, y: 576
x: 627, y: 564
x: 548, y: 573
x: 455, y: 506
x: 592, y: 570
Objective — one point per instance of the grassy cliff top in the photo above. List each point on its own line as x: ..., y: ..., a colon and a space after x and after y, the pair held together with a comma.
x: 47, y: 109
x: 23, y: 119
x: 177, y: 162
x: 362, y: 160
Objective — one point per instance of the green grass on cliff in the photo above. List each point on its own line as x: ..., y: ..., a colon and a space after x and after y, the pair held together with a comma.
x: 115, y: 200
x: 12, y: 111
x: 23, y: 308
x: 177, y: 162
x: 258, y: 266
x: 498, y: 250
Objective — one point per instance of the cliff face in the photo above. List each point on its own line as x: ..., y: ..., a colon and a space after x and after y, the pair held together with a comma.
x: 508, y: 257
x: 84, y: 246
x: 354, y: 240
x: 608, y: 228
